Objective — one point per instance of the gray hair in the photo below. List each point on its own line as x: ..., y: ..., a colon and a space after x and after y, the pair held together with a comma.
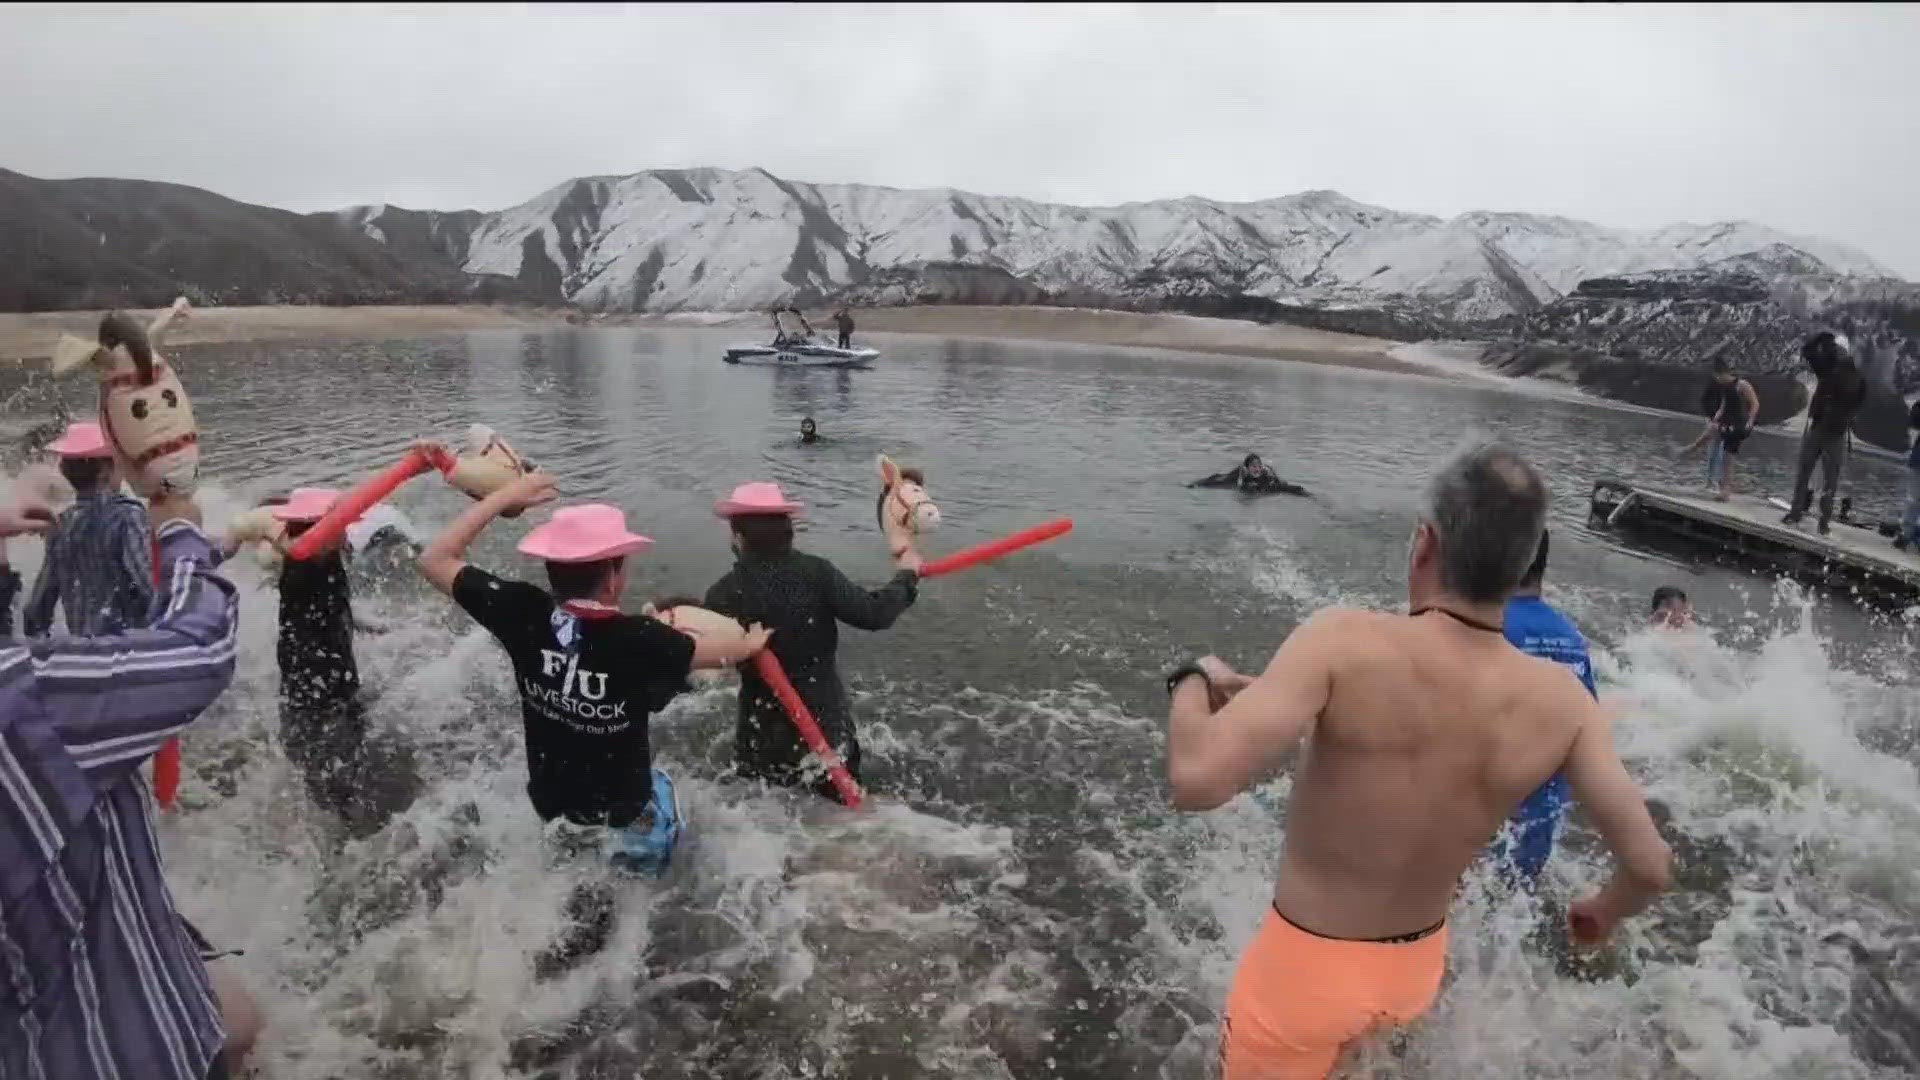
x: 1488, y: 508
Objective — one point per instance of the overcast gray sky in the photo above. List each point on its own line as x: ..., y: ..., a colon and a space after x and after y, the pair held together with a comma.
x: 1800, y: 117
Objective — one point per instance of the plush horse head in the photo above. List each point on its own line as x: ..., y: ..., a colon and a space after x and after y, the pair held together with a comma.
x: 905, y: 509
x: 697, y: 623
x: 485, y: 464
x: 144, y: 410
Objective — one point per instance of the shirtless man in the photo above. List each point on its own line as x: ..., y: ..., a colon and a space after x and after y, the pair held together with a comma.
x: 1423, y: 734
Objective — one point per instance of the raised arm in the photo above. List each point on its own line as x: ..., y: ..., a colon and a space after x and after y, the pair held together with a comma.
x: 1643, y: 864
x: 444, y: 558
x: 114, y: 699
x: 871, y: 609
x: 1213, y: 756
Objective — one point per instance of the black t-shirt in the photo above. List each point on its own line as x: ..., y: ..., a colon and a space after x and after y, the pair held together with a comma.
x: 315, y: 650
x: 588, y: 684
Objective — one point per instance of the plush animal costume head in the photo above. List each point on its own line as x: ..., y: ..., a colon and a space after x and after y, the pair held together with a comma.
x: 699, y: 624
x: 905, y: 509
x: 485, y: 464
x: 144, y: 410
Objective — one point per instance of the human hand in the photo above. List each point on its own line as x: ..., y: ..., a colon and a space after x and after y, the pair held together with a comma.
x: 18, y: 521
x: 757, y: 636
x: 1222, y: 681
x: 909, y: 560
x: 526, y: 491
x: 1590, y: 921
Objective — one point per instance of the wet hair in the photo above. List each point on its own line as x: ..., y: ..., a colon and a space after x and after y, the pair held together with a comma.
x: 764, y: 534
x: 580, y: 580
x: 1722, y: 365
x: 1250, y: 461
x: 1666, y: 594
x: 120, y: 328
x: 1488, y: 508
x: 1537, y: 571
x: 807, y: 424
x: 85, y: 473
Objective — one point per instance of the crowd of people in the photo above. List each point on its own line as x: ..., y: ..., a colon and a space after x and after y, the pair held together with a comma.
x: 1420, y: 743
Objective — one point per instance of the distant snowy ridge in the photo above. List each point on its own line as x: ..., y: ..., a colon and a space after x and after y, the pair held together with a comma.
x: 667, y: 240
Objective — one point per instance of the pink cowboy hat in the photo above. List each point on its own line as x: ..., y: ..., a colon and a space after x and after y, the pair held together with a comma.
x: 306, y: 505
x: 583, y: 534
x: 80, y: 441
x: 756, y: 498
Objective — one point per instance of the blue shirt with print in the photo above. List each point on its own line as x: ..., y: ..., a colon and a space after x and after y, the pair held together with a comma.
x: 1535, y: 628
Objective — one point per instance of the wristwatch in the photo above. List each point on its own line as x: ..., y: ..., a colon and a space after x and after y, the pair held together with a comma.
x: 1183, y: 673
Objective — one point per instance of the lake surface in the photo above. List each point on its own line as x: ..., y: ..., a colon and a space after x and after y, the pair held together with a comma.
x: 1021, y: 902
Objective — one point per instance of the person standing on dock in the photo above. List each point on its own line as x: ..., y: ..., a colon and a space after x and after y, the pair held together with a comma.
x: 1731, y: 407
x: 1838, y: 393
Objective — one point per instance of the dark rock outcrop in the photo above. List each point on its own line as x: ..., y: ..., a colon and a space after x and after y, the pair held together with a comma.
x: 104, y: 243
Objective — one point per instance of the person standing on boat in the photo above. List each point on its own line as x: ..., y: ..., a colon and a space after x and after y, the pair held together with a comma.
x: 1838, y: 393
x: 843, y: 320
x: 1731, y: 406
x: 802, y: 599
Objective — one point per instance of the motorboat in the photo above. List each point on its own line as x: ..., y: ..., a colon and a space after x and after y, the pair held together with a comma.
x: 801, y: 354
x: 799, y: 349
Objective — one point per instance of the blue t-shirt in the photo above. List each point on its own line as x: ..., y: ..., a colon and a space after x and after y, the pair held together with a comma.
x: 1535, y: 628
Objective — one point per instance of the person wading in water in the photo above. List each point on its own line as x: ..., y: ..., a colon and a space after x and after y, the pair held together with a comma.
x: 1422, y: 734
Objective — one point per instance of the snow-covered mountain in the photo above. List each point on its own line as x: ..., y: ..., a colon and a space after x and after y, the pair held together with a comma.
x: 693, y: 239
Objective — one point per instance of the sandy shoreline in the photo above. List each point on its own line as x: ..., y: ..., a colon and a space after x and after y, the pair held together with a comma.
x: 32, y: 335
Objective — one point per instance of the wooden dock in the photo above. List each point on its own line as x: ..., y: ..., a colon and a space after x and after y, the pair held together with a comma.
x: 1746, y: 531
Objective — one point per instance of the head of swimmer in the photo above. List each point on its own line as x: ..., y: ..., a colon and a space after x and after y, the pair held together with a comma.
x: 808, y: 433
x: 1478, y: 533
x: 92, y: 475
x: 1251, y: 465
x: 600, y: 582
x: 762, y: 535
x: 1722, y: 370
x: 1671, y: 608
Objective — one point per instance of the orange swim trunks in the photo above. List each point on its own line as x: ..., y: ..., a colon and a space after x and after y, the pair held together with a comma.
x: 1298, y: 998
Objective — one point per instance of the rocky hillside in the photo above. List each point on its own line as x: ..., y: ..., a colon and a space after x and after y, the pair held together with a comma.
x: 1649, y: 338
x: 101, y: 243
x: 712, y: 239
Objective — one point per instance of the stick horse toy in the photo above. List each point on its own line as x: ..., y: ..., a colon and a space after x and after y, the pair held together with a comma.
x: 148, y: 422
x: 905, y: 509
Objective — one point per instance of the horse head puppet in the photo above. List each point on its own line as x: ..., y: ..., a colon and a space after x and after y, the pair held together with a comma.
x: 485, y: 464
x: 697, y: 623
x: 144, y: 410
x: 905, y: 509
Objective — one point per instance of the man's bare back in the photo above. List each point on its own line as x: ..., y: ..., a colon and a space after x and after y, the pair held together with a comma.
x: 1433, y: 732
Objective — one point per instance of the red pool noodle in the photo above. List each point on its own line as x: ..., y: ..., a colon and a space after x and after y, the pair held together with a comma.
x: 166, y: 763
x: 333, y: 524
x: 993, y: 549
x: 775, y: 676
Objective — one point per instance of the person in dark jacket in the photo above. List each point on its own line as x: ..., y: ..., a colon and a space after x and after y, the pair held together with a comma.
x: 323, y: 716
x: 1909, y: 532
x: 843, y: 321
x: 1839, y: 391
x: 1251, y: 476
x: 802, y: 599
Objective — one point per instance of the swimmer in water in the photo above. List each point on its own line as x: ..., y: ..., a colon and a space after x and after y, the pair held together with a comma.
x: 590, y: 676
x: 1251, y: 476
x: 808, y: 433
x: 1671, y: 609
x: 1423, y: 733
x: 803, y: 598
x: 1537, y: 628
